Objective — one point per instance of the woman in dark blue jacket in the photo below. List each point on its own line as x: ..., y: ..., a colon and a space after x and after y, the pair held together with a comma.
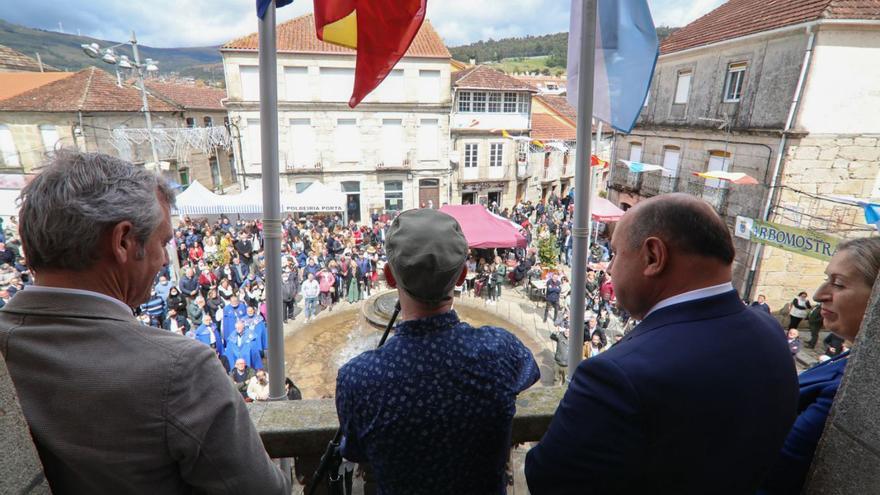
x: 844, y: 296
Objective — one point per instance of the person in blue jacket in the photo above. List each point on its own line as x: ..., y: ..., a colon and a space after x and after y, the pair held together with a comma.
x: 844, y: 296
x: 254, y: 322
x: 672, y: 408
x: 232, y: 312
x: 207, y: 333
x: 244, y: 344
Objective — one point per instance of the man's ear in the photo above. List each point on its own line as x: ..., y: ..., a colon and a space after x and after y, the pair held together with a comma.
x: 463, y: 276
x: 655, y: 256
x: 122, y: 243
x: 389, y: 277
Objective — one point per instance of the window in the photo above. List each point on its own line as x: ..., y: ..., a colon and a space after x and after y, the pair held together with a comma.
x: 302, y: 143
x: 393, y: 195
x: 683, y: 88
x: 494, y: 102
x: 736, y: 74
x: 336, y: 83
x: 522, y: 149
x: 524, y: 100
x: 296, y: 84
x: 348, y: 145
x: 635, y: 152
x: 190, y: 122
x: 428, y: 136
x: 718, y: 160
x: 470, y: 155
x: 392, y: 88
x: 250, y: 82
x: 302, y: 186
x: 429, y: 86
x: 216, y: 179
x: 670, y: 161
x: 50, y: 138
x: 8, y: 153
x: 253, y: 141
x: 464, y: 101
x: 392, y: 142
x: 496, y: 152
x: 479, y: 103
x: 209, y: 121
x: 510, y: 102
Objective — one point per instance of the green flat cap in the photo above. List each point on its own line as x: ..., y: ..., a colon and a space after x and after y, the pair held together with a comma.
x: 426, y: 250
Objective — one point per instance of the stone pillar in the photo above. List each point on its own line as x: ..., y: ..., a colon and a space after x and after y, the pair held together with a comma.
x: 848, y: 457
x: 21, y: 470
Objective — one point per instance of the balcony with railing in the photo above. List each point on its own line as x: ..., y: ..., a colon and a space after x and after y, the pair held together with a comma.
x: 622, y: 179
x: 655, y: 183
x: 396, y: 162
x: 302, y: 429
x: 712, y: 191
x: 306, y: 163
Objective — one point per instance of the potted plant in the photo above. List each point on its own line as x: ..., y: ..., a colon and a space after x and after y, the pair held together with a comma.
x: 548, y: 253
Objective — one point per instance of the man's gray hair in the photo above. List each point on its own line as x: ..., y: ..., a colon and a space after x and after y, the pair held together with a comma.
x: 78, y: 196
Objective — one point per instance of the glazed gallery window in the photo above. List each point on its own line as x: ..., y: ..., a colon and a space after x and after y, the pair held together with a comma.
x: 493, y: 102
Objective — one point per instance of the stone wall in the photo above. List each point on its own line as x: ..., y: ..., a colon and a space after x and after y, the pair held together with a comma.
x: 818, y: 165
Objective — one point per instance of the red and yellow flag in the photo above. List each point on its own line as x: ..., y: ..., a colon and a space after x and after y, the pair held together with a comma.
x: 379, y: 30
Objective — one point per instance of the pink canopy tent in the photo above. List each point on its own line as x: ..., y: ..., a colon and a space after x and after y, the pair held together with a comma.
x: 605, y: 211
x: 482, y: 229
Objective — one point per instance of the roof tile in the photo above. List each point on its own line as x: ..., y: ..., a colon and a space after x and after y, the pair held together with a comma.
x: 737, y: 18
x: 483, y: 77
x: 14, y: 60
x: 546, y: 127
x: 299, y: 36
x: 189, y: 96
x: 560, y: 105
x: 14, y: 83
x: 89, y: 90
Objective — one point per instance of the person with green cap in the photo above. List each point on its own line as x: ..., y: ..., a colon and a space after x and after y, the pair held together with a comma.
x: 431, y: 410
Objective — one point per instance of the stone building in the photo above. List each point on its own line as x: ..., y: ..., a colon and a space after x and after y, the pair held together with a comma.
x: 391, y: 152
x: 83, y: 111
x: 785, y: 94
x: 491, y: 168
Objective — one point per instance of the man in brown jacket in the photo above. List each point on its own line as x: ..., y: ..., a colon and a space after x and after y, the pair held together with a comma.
x: 115, y: 406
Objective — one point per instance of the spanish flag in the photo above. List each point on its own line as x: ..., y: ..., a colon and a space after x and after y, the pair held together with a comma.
x: 379, y: 30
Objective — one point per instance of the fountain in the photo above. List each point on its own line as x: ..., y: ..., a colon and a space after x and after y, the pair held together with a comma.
x: 315, y: 352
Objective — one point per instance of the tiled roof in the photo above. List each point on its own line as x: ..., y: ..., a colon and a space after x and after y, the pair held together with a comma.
x: 299, y: 36
x: 14, y: 60
x: 560, y: 105
x: 89, y: 90
x: 547, y: 127
x: 189, y: 96
x: 14, y: 83
x: 737, y: 18
x: 482, y: 77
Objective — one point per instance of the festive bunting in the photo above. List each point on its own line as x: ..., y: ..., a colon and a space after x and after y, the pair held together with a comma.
x: 733, y: 177
x: 638, y: 167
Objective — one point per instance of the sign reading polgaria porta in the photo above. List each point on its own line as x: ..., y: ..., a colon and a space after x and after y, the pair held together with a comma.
x: 796, y: 240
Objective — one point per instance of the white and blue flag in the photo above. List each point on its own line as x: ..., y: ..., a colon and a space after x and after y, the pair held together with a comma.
x: 626, y: 53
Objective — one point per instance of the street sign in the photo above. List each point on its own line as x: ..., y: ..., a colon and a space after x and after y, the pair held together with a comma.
x: 794, y: 239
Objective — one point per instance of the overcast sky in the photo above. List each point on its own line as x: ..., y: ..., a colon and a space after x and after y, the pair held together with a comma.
x: 175, y: 23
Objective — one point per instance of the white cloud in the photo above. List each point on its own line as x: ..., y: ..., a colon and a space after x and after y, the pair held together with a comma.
x: 171, y: 23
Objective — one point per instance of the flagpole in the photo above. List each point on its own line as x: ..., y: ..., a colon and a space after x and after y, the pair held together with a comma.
x: 271, y: 200
x: 583, y: 172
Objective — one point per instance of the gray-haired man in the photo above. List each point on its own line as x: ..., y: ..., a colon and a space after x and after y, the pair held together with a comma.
x: 116, y: 407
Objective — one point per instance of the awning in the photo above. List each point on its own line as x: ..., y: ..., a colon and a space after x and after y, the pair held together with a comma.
x: 603, y: 210
x: 482, y: 229
x: 198, y: 200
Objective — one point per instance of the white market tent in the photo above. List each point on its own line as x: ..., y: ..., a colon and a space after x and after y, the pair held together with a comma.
x: 316, y: 198
x: 199, y: 200
x: 248, y: 201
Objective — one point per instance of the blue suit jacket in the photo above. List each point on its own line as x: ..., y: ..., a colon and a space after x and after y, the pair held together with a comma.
x: 818, y: 388
x: 698, y: 398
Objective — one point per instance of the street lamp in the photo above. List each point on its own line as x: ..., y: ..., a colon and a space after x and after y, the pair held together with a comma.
x: 109, y: 56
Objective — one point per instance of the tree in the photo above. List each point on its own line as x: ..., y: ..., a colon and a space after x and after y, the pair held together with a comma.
x: 548, y: 251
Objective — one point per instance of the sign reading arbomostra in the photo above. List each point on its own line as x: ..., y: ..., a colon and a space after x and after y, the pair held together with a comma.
x: 796, y: 240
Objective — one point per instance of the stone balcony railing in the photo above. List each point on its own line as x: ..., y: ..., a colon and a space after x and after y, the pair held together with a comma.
x: 622, y: 179
x: 655, y: 183
x: 714, y: 195
x: 302, y: 429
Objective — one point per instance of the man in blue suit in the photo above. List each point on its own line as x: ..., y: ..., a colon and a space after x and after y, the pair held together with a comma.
x: 698, y: 398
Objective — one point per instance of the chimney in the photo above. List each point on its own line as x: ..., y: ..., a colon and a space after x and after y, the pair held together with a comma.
x: 473, y: 61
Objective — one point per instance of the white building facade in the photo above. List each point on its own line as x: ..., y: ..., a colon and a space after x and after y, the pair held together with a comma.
x: 389, y: 153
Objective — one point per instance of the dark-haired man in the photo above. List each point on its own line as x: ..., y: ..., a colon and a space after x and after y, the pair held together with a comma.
x: 672, y: 408
x: 432, y: 409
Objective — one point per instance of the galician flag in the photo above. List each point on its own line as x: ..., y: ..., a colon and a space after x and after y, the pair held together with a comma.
x: 626, y: 53
x: 380, y: 30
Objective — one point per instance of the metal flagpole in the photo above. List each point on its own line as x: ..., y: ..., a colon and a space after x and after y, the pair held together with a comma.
x: 594, y: 226
x: 271, y: 200
x: 581, y: 231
